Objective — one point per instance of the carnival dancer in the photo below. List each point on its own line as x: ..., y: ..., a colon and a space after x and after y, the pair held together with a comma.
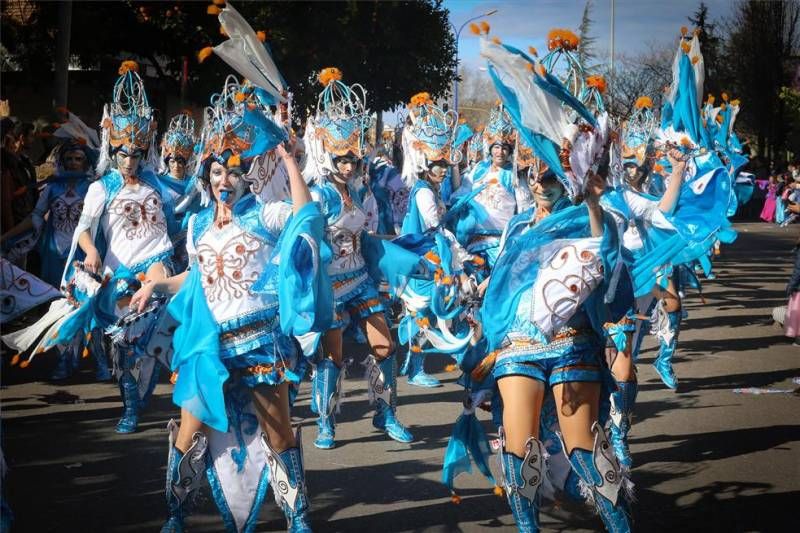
x: 123, y: 228
x: 638, y: 214
x: 256, y: 278
x: 699, y: 217
x: 499, y: 195
x: 231, y: 291
x: 177, y: 155
x: 335, y: 144
x: 123, y: 233
x: 55, y: 217
x: 429, y: 150
x: 566, y: 257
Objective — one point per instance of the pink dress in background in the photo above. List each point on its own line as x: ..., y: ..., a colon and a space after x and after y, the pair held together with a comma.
x: 791, y: 327
x: 768, y: 213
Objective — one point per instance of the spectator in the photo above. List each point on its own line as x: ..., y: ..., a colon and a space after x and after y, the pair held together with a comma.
x: 791, y: 324
x: 18, y: 175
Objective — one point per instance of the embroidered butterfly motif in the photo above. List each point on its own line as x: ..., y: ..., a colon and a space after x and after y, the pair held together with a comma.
x: 141, y: 219
x: 65, y: 215
x: 225, y: 272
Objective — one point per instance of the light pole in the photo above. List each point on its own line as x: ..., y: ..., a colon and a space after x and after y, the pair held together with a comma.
x: 458, y: 34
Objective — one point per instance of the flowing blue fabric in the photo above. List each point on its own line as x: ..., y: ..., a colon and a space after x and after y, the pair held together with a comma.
x: 467, y: 443
x: 544, y: 148
x: 780, y: 210
x: 389, y: 261
x: 196, y: 356
x: 305, y: 292
x: 269, y: 133
x: 685, y: 112
x: 96, y: 311
x: 382, y: 198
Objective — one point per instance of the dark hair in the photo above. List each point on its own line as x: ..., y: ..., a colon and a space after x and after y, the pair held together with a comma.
x: 6, y: 127
x: 22, y: 129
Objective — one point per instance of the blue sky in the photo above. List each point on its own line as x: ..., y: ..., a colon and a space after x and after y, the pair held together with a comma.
x: 524, y: 23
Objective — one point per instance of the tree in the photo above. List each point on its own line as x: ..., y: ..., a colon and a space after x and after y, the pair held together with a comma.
x: 717, y: 77
x: 763, y: 38
x: 644, y: 74
x: 369, y: 41
x: 586, y: 53
x: 477, y: 96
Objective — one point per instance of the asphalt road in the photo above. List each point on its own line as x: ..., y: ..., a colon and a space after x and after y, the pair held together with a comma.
x: 706, y: 458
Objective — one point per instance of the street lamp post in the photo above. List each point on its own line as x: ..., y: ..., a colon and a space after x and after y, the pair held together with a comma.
x: 458, y: 34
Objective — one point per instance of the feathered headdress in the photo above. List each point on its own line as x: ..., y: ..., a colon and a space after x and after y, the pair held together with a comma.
x: 430, y: 136
x: 558, y: 127
x: 499, y: 128
x: 238, y: 127
x: 339, y: 125
x: 76, y: 135
x: 178, y: 141
x: 128, y: 121
x: 637, y: 132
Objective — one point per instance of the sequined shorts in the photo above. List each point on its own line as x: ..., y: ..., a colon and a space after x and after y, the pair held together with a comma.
x: 571, y: 356
x: 357, y: 304
x: 272, y: 363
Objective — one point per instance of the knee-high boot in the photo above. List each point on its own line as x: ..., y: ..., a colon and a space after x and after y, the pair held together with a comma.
x: 668, y: 344
x: 382, y: 389
x: 129, y: 390
x: 185, y: 473
x: 622, y: 401
x: 416, y: 372
x: 601, y: 476
x: 288, y: 480
x: 522, y: 478
x: 325, y: 389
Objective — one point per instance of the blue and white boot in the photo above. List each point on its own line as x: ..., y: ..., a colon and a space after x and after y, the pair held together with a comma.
x: 622, y: 401
x: 129, y: 389
x: 382, y: 391
x: 288, y: 480
x: 325, y: 387
x: 601, y: 475
x: 416, y: 372
x: 521, y: 481
x: 668, y: 341
x: 185, y: 475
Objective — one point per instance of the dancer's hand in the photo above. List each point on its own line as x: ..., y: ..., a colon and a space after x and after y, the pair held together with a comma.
x: 677, y: 159
x: 92, y: 262
x: 142, y: 296
x: 483, y: 286
x: 595, y: 187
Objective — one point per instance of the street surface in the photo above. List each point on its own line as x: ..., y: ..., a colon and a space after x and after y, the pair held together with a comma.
x: 706, y: 458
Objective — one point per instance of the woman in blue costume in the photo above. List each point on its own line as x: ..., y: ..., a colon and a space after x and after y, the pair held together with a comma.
x: 335, y: 145
x: 429, y: 150
x: 544, y: 307
x: 177, y: 155
x: 55, y: 218
x: 256, y: 278
x: 636, y: 213
x: 497, y: 192
x: 253, y: 265
x: 123, y: 229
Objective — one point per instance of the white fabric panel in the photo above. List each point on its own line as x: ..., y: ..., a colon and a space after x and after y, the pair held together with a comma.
x: 570, y: 270
x: 540, y: 111
x: 246, y: 54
